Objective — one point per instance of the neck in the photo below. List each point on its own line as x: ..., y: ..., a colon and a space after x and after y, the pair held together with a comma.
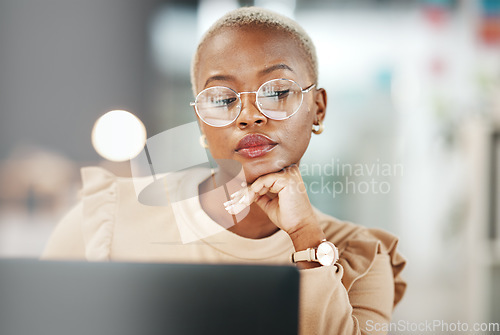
x: 255, y: 225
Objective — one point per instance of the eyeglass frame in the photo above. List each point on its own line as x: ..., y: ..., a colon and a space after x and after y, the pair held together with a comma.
x: 238, y: 94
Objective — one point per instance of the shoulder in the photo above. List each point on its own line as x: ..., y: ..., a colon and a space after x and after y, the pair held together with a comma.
x: 112, y: 206
x: 345, y: 234
x: 360, y: 246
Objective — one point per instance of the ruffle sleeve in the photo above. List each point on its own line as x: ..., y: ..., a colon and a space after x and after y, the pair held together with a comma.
x: 99, y: 206
x: 357, y: 256
x: 365, y: 287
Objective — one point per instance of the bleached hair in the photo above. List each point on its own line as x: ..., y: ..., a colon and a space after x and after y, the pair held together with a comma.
x: 255, y: 16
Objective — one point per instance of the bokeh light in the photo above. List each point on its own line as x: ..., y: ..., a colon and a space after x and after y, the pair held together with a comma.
x: 118, y: 136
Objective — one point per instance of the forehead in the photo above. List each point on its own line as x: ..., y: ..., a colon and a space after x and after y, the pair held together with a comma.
x: 244, y: 52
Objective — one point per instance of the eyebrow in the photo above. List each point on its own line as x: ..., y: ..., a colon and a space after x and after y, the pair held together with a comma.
x: 280, y: 66
x: 219, y: 77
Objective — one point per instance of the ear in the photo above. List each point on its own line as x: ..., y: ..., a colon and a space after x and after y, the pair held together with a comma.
x: 320, y: 101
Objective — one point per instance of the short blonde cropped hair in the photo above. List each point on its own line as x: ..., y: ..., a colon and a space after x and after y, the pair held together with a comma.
x: 255, y: 16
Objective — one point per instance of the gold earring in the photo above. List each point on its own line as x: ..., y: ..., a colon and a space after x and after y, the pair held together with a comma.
x: 320, y: 128
x: 203, y: 141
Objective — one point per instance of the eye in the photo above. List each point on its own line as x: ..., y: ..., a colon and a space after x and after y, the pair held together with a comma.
x: 223, y: 102
x: 280, y: 94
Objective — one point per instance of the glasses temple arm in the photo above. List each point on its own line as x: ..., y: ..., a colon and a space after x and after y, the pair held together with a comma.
x: 305, y: 90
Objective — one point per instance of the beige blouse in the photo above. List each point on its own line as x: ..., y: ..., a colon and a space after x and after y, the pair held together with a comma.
x: 110, y: 224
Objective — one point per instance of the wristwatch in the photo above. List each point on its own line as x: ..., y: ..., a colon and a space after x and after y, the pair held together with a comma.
x: 326, y: 254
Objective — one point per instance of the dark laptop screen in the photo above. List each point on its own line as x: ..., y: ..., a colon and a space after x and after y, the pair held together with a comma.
x: 73, y: 298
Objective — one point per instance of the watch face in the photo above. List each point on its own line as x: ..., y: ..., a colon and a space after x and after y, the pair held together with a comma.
x: 326, y: 254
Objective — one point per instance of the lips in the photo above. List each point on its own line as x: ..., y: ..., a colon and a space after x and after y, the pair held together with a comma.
x: 255, y: 145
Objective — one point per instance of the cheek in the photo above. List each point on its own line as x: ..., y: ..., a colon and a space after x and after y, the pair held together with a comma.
x: 217, y: 139
x: 297, y: 134
x: 301, y: 125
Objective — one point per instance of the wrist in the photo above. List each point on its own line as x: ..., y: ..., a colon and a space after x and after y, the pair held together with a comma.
x: 307, y: 235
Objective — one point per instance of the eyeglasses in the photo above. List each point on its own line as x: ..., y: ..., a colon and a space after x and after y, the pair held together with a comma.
x: 277, y: 99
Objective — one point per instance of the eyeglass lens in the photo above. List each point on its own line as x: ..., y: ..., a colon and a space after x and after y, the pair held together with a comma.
x: 277, y: 99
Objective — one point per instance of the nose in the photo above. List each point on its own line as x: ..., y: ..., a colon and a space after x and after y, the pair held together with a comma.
x: 250, y: 115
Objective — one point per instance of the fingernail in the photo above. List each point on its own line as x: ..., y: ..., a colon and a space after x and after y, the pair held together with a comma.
x: 245, y: 200
x: 238, y: 193
x: 231, y: 210
x: 235, y: 208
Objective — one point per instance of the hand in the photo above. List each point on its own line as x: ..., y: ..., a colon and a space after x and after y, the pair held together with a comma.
x: 281, y: 195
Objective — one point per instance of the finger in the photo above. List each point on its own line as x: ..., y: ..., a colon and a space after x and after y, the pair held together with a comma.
x: 240, y: 200
x: 239, y: 193
x: 264, y: 202
x: 274, y: 183
x: 235, y: 209
x: 244, y: 198
x: 244, y: 195
x: 293, y: 170
x: 269, y: 183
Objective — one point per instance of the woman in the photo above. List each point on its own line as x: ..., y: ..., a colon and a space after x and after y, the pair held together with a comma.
x: 254, y: 75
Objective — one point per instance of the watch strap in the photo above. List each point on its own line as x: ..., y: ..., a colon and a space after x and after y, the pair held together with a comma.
x: 311, y: 254
x: 308, y: 255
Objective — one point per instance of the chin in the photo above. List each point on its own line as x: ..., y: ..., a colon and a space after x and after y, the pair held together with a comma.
x: 256, y: 168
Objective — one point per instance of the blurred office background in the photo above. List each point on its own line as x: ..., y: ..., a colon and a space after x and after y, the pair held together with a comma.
x: 412, y: 85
